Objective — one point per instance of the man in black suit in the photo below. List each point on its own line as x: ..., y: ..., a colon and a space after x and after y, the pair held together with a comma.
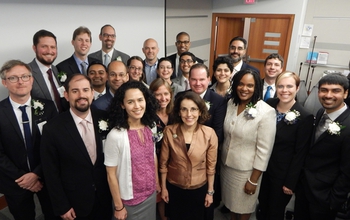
x: 273, y: 66
x: 79, y: 61
x: 21, y: 124
x: 182, y: 44
x: 72, y: 156
x: 325, y: 181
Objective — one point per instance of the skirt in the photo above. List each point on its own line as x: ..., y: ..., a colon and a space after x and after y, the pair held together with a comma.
x: 144, y: 210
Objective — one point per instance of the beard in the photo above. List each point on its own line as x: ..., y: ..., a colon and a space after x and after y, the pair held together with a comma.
x: 82, y: 108
x: 46, y: 63
x: 236, y: 60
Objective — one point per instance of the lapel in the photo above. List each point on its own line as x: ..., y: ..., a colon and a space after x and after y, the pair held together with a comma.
x: 115, y: 55
x: 55, y: 73
x: 8, y: 112
x: 73, y: 65
x: 99, y: 147
x: 38, y: 77
x: 273, y: 103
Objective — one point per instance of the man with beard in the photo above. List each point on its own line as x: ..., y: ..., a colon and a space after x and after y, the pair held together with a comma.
x: 46, y: 83
x: 150, y: 49
x: 108, y: 53
x: 72, y: 156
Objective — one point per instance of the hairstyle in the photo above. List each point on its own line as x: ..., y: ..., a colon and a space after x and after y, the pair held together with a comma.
x: 182, y: 33
x: 161, y: 82
x: 239, y: 39
x: 193, y: 57
x: 287, y: 74
x: 10, y: 64
x: 106, y: 25
x: 82, y: 30
x: 257, y: 88
x: 199, y: 66
x: 143, y: 77
x: 274, y: 56
x: 197, y: 100
x: 334, y: 79
x: 164, y: 59
x: 96, y: 62
x: 117, y: 115
x: 71, y: 77
x: 223, y: 60
x: 40, y: 34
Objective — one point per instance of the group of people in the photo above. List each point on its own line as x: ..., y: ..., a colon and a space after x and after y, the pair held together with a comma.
x: 108, y: 136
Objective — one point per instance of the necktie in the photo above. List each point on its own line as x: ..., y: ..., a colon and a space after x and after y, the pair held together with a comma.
x: 27, y: 136
x: 267, y: 94
x: 322, y: 125
x: 107, y: 60
x: 54, y: 90
x: 88, y: 138
x: 187, y: 86
x: 83, y: 67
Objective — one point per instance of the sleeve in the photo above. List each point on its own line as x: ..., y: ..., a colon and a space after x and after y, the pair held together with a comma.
x: 165, y: 152
x: 218, y: 121
x: 111, y: 150
x: 212, y: 153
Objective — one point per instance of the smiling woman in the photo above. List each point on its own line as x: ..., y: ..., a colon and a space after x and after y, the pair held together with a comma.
x: 165, y: 70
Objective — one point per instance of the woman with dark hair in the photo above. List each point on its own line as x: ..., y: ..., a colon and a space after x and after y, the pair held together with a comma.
x: 223, y: 71
x: 248, y: 140
x: 130, y: 158
x: 135, y: 69
x: 188, y: 159
x: 165, y: 70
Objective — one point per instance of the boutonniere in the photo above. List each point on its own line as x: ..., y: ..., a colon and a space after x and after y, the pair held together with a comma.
x: 102, y: 125
x: 156, y: 137
x: 292, y: 117
x: 62, y: 76
x: 119, y: 58
x: 174, y: 135
x: 250, y: 111
x: 334, y: 128
x: 208, y: 104
x: 38, y: 107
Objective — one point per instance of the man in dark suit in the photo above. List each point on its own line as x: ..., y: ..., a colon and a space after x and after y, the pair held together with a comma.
x: 79, y: 61
x: 108, y: 53
x: 273, y: 66
x: 182, y: 44
x: 325, y: 181
x: 72, y: 156
x: 21, y: 173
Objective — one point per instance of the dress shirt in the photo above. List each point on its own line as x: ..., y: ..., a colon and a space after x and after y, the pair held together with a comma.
x: 272, y: 90
x: 334, y: 115
x: 237, y: 68
x: 151, y: 72
x: 43, y: 70
x: 110, y: 54
x: 78, y: 61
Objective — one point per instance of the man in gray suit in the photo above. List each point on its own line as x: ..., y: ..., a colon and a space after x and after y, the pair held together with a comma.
x: 108, y: 53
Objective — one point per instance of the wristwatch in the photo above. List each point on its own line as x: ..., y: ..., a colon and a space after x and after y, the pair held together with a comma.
x: 210, y: 193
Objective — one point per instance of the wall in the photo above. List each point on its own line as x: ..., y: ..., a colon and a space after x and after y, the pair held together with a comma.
x: 133, y: 20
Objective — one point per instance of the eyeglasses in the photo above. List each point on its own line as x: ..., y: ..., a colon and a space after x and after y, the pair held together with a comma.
x: 182, y: 42
x: 120, y: 75
x: 186, y: 61
x: 236, y: 48
x: 192, y: 110
x: 165, y: 67
x: 14, y: 79
x: 139, y: 69
x: 108, y: 35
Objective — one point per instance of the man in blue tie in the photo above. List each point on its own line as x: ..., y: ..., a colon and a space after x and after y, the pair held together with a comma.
x: 273, y: 67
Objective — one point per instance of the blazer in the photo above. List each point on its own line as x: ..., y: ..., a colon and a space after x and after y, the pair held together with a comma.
x: 180, y: 80
x: 116, y: 53
x: 173, y: 63
x: 327, y: 165
x: 70, y: 67
x: 188, y: 169
x: 103, y: 102
x: 291, y: 145
x: 13, y: 153
x: 73, y: 181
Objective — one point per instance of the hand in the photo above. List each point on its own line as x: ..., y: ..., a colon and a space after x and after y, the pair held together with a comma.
x: 121, y: 215
x: 70, y: 215
x: 36, y: 187
x: 165, y: 195
x: 27, y: 180
x: 287, y: 191
x: 208, y: 200
x: 249, y: 188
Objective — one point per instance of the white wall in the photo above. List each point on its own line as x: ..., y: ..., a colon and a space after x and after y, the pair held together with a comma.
x: 133, y: 20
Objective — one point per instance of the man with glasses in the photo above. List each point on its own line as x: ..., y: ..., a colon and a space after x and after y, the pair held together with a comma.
x: 150, y: 49
x: 107, y: 53
x: 23, y: 118
x: 182, y: 44
x: 187, y: 59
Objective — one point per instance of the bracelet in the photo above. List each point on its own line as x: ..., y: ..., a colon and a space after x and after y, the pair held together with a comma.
x: 118, y: 210
x: 254, y: 184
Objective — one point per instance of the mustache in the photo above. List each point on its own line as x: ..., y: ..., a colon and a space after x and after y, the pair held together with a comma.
x: 234, y: 54
x: 82, y: 99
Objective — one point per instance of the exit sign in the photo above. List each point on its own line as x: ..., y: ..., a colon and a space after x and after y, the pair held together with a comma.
x: 249, y: 2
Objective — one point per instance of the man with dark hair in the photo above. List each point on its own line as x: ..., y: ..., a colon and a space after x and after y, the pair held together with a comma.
x: 273, y: 66
x: 325, y: 180
x: 107, y: 53
x: 97, y: 72
x: 187, y: 60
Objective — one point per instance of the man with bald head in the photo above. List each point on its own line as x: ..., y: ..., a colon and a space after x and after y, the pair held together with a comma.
x: 117, y: 75
x: 150, y: 49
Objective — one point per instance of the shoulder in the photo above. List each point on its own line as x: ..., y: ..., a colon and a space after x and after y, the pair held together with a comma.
x: 263, y: 107
x: 214, y: 97
x: 247, y: 66
x: 272, y: 102
x: 172, y: 56
x: 92, y: 59
x: 304, y: 113
x: 64, y: 62
x: 95, y: 54
x: 119, y: 53
x: 199, y: 60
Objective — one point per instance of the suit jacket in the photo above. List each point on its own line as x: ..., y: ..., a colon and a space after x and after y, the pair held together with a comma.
x: 173, y: 62
x: 327, y: 165
x: 180, y: 80
x: 103, y: 102
x: 116, y: 53
x: 13, y: 153
x: 291, y: 145
x: 73, y: 181
x: 70, y: 67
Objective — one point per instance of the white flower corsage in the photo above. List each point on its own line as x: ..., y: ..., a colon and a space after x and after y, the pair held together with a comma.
x: 119, y: 58
x: 334, y: 128
x: 62, y: 76
x: 156, y: 137
x: 102, y: 125
x: 208, y: 104
x: 250, y: 111
x: 38, y: 107
x: 174, y: 135
x: 292, y: 117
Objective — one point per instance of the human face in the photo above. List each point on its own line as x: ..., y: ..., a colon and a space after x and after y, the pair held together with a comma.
x: 20, y: 89
x: 199, y: 80
x: 150, y: 49
x: 135, y: 69
x: 332, y: 97
x: 165, y: 70
x: 286, y: 90
x: 98, y: 75
x: 245, y: 88
x: 46, y: 50
x: 163, y: 96
x: 134, y: 104
x: 185, y: 63
x: 273, y: 68
x: 182, y: 44
x: 223, y: 73
x: 79, y: 95
x: 237, y: 51
x: 117, y: 75
x: 189, y: 113
x: 82, y: 44
x: 107, y: 38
